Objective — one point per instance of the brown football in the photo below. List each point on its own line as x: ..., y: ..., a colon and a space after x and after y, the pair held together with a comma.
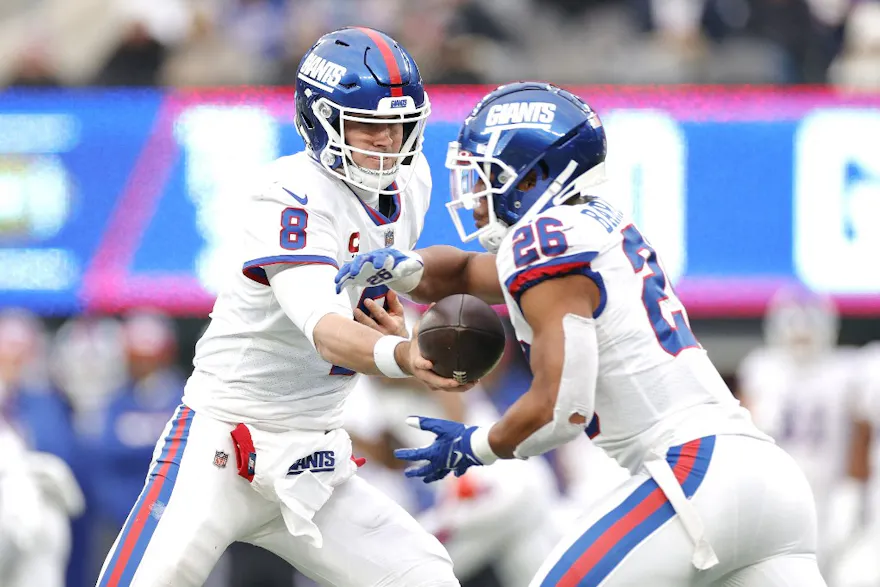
x: 463, y: 337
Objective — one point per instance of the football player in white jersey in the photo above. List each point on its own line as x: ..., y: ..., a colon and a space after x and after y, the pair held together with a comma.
x: 712, y: 500
x: 256, y: 452
x: 38, y: 497
x: 800, y: 388
x: 857, y: 564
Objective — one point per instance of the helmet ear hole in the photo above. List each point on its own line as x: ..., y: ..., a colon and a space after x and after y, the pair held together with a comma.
x: 545, y: 169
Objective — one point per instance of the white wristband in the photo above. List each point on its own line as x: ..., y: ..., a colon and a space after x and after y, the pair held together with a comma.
x: 480, y: 446
x: 383, y: 355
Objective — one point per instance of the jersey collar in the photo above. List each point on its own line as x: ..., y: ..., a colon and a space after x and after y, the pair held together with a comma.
x: 377, y: 217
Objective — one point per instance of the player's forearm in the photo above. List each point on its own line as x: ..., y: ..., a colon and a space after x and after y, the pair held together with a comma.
x: 346, y: 343
x: 526, y: 416
x: 450, y: 271
x: 443, y: 274
x: 561, y: 399
x: 535, y: 408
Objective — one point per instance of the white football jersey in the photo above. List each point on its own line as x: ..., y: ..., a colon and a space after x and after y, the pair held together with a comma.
x: 253, y: 364
x: 806, y: 406
x: 656, y: 385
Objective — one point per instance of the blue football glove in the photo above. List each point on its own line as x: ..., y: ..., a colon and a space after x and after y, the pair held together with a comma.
x: 450, y: 452
x: 400, y: 270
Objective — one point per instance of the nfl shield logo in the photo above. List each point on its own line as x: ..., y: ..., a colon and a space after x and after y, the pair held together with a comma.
x: 220, y: 459
x: 389, y: 237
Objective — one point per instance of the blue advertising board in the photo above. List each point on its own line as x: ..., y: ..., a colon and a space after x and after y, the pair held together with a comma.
x: 116, y: 199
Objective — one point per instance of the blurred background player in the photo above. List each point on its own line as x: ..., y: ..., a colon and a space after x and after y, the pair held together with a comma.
x: 38, y: 497
x: 38, y: 491
x: 801, y: 389
x: 87, y: 363
x: 858, y: 565
x: 29, y: 400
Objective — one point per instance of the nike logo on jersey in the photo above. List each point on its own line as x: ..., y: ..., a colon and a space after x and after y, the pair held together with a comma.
x: 303, y: 200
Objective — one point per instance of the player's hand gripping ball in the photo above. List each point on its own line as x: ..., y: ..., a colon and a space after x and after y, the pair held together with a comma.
x: 463, y: 337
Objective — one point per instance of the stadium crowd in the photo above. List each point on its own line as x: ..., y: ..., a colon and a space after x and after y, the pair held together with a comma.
x: 186, y: 43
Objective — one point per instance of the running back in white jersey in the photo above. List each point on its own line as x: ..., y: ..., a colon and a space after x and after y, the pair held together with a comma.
x: 656, y: 386
x: 253, y: 364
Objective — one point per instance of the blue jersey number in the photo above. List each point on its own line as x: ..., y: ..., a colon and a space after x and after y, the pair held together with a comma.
x: 293, y: 228
x: 551, y: 242
x: 673, y: 337
x: 370, y: 293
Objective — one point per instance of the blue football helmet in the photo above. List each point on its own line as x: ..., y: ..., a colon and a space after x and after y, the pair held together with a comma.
x: 359, y: 74
x: 514, y: 130
x: 803, y: 323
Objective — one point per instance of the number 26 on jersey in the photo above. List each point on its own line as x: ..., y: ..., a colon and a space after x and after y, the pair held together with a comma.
x: 542, y: 238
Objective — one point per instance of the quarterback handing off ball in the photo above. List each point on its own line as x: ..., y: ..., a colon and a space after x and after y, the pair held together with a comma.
x: 463, y: 337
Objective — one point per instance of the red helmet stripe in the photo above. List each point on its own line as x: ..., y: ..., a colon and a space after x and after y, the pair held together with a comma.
x: 388, y: 56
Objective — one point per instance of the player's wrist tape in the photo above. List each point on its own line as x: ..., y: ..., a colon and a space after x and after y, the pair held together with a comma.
x: 383, y: 356
x: 480, y: 445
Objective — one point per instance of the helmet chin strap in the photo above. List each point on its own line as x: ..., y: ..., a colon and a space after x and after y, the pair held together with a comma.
x: 368, y: 180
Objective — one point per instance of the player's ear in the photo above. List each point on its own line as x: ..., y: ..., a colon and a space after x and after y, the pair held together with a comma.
x: 529, y: 181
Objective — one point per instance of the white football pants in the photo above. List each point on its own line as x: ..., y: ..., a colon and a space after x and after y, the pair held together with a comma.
x: 191, y: 509
x: 756, y: 510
